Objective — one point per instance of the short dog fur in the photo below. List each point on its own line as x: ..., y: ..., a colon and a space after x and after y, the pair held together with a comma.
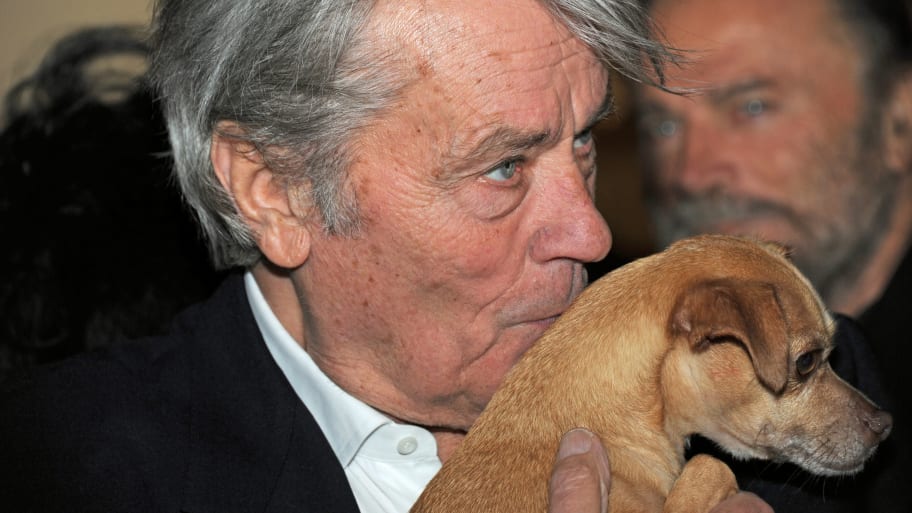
x: 717, y: 335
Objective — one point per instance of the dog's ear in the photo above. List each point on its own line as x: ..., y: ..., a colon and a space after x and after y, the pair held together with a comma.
x: 747, y: 312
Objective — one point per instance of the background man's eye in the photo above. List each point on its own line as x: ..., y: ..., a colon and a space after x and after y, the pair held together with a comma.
x: 754, y: 107
x: 666, y: 128
x: 503, y: 172
x: 806, y: 363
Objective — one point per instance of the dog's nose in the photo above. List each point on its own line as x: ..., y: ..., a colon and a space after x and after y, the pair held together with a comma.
x: 880, y: 422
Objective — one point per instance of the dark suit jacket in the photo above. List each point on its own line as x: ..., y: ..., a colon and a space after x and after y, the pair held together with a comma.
x: 199, y: 420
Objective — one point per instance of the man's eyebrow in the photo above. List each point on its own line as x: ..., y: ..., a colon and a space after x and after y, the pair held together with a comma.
x: 506, y: 139
x: 726, y: 92
x: 500, y: 140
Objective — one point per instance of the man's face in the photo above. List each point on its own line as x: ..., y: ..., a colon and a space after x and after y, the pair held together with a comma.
x: 774, y: 147
x: 476, y: 196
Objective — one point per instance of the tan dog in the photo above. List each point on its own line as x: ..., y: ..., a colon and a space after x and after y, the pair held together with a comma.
x: 717, y: 335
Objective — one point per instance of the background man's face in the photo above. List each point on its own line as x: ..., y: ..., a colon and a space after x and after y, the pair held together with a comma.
x: 773, y: 148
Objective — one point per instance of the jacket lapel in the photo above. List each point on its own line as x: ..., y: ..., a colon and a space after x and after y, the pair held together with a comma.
x: 253, y: 445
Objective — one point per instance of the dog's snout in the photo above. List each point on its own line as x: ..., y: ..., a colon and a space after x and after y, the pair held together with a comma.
x: 880, y: 422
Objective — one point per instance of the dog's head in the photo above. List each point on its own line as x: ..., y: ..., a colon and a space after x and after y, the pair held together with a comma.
x: 749, y: 360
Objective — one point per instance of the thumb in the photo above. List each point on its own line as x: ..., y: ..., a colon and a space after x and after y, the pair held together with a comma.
x: 581, y: 478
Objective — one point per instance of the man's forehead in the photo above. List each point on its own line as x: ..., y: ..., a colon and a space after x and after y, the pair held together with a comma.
x: 500, y: 79
x: 432, y: 29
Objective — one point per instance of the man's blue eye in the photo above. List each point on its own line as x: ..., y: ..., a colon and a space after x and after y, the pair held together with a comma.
x: 582, y: 139
x: 503, y: 172
x: 754, y: 107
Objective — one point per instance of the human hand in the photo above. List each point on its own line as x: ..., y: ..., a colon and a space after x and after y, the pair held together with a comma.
x: 581, y: 477
x: 742, y: 502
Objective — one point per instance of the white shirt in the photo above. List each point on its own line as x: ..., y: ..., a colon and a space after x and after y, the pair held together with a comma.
x: 387, y: 464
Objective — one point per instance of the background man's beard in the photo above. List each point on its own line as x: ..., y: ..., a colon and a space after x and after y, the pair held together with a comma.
x: 689, y: 215
x: 831, y: 254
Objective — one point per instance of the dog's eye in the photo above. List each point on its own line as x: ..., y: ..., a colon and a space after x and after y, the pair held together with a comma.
x: 806, y: 363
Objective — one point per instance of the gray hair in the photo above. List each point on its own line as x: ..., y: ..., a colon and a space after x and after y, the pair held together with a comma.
x: 298, y: 78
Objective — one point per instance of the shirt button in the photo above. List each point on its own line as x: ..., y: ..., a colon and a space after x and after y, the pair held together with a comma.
x: 407, y: 445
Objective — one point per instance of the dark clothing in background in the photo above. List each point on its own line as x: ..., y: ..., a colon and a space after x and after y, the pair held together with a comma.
x: 885, y: 325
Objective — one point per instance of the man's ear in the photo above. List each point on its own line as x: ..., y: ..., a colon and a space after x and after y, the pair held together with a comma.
x: 261, y: 197
x: 897, y: 125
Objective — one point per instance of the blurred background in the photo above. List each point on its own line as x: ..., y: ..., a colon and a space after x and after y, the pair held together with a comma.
x: 28, y: 28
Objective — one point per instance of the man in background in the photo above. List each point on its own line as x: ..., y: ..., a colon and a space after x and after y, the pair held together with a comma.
x: 799, y: 130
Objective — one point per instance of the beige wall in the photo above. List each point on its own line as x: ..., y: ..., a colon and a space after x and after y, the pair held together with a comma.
x: 29, y: 27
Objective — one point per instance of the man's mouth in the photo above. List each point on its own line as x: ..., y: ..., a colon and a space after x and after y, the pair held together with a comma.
x: 546, y: 322
x: 549, y: 310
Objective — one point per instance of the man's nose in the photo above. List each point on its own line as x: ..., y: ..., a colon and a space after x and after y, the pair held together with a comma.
x: 704, y: 160
x: 571, y: 226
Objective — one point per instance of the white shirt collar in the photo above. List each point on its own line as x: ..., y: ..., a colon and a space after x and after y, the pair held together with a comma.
x: 346, y: 421
x: 387, y: 464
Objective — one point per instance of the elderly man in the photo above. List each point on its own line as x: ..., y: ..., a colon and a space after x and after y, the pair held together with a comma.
x: 407, y: 189
x: 800, y: 131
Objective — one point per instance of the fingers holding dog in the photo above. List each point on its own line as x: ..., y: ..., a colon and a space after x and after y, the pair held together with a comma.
x: 580, y: 479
